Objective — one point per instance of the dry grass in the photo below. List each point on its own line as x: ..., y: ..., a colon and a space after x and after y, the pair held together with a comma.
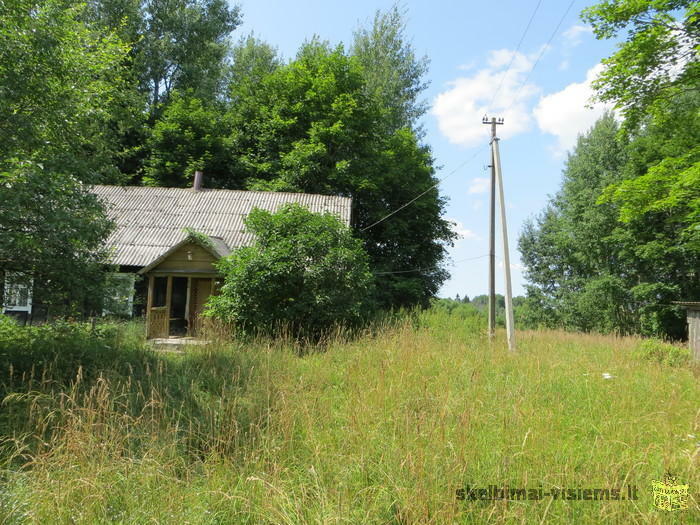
x: 382, y: 429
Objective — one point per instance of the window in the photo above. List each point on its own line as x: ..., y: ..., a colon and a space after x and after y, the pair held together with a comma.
x: 160, y: 289
x: 119, y: 298
x: 18, y: 292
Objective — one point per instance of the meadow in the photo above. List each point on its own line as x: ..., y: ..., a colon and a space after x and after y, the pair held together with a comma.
x: 393, y: 426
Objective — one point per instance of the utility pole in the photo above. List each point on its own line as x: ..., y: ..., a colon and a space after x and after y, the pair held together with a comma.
x: 492, y: 251
x: 497, y: 179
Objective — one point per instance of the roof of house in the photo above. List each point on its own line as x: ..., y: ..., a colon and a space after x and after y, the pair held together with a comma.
x: 151, y: 220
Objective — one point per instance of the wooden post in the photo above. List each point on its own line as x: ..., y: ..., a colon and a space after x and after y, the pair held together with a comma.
x: 149, y: 305
x: 694, y: 333
x: 168, y: 297
x: 187, y: 305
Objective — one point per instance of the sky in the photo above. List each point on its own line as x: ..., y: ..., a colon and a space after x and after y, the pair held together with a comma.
x: 542, y: 91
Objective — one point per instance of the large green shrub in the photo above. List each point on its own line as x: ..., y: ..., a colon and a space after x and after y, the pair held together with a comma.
x: 305, y: 273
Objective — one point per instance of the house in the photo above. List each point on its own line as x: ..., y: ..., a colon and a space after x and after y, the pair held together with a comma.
x: 167, y: 241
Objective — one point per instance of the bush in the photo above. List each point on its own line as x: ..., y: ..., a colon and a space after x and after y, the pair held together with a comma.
x: 60, y: 346
x: 304, y: 274
x: 668, y: 354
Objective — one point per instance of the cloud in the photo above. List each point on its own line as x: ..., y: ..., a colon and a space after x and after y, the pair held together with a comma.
x: 574, y: 35
x: 460, y: 230
x: 460, y: 108
x: 569, y: 112
x: 479, y: 185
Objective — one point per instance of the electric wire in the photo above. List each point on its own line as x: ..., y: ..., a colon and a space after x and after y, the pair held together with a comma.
x: 414, y: 199
x: 539, y: 57
x: 515, y: 53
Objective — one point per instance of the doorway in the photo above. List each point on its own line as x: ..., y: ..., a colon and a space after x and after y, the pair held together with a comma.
x: 178, y: 308
x: 175, y: 305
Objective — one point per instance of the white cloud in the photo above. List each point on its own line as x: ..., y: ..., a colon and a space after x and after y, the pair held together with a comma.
x: 569, y: 112
x: 460, y: 108
x: 460, y: 230
x: 479, y: 185
x: 574, y: 35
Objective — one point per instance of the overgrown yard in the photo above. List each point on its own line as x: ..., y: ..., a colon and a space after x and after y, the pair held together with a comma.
x: 383, y: 429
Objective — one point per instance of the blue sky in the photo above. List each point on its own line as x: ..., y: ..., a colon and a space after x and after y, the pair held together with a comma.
x: 470, y: 45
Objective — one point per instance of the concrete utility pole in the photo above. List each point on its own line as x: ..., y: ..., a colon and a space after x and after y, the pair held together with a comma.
x: 492, y: 251
x: 497, y: 178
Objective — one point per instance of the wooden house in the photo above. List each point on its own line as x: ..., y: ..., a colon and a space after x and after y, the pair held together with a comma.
x: 167, y: 241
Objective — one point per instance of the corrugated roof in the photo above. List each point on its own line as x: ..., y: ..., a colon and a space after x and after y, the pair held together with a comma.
x: 150, y: 220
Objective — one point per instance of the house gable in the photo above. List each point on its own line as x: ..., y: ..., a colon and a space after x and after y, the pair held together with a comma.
x: 190, y: 256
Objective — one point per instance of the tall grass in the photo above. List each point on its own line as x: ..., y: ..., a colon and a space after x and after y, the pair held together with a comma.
x: 382, y: 428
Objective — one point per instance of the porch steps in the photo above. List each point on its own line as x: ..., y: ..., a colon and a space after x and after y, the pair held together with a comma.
x: 175, y: 344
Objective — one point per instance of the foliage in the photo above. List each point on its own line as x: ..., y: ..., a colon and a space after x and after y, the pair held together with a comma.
x: 621, y: 240
x: 311, y: 126
x: 177, y: 44
x: 59, y: 83
x: 305, y: 273
x: 668, y: 354
x: 658, y: 61
x: 52, y: 229
x: 393, y: 74
x: 189, y: 136
x: 253, y: 60
x: 62, y: 346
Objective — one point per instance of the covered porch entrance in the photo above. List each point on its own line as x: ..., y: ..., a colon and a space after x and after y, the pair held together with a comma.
x: 175, y: 303
x: 179, y: 284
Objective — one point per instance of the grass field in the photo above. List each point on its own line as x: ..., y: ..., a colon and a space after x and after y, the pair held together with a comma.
x: 382, y: 429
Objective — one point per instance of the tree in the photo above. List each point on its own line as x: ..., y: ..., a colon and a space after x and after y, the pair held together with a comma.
x: 659, y: 59
x: 59, y: 82
x: 252, y: 61
x: 310, y: 126
x: 52, y: 231
x: 177, y: 44
x: 393, y: 74
x: 616, y: 245
x: 189, y: 136
x: 574, y: 250
x: 304, y: 273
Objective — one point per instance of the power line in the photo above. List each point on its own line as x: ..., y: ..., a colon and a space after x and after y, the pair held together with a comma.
x: 515, y: 53
x: 544, y: 48
x: 414, y: 199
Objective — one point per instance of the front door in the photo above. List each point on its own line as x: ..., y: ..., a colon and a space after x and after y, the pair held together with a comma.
x: 200, y: 290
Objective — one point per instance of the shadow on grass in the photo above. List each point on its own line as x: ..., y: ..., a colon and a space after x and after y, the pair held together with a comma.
x: 104, y: 387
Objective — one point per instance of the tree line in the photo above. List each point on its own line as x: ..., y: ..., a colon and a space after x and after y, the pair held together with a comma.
x: 620, y: 241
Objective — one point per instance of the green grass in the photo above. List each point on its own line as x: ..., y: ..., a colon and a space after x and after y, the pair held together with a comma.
x: 381, y: 429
